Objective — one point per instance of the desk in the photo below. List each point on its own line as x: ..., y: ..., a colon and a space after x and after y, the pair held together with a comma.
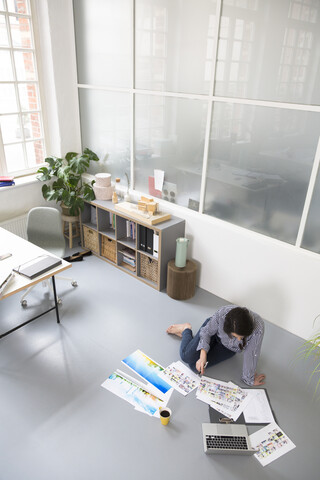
x: 23, y: 251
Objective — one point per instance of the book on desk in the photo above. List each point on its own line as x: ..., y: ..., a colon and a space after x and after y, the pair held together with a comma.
x: 38, y: 266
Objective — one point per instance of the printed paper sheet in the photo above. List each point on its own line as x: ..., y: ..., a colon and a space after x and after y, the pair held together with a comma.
x: 180, y: 377
x: 272, y: 443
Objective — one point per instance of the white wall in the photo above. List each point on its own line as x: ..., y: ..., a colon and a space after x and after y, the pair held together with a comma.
x: 277, y: 280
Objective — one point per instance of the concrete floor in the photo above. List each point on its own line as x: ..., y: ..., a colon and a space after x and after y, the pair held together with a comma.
x: 57, y: 422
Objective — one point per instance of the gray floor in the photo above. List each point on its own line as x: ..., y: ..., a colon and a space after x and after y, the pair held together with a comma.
x: 58, y: 423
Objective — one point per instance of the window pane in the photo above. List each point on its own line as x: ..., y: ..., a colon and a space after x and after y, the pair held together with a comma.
x: 25, y: 65
x: 103, y: 31
x: 170, y: 137
x: 20, y: 32
x: 28, y: 93
x: 3, y: 32
x: 6, y: 72
x: 168, y: 56
x: 8, y: 101
x: 105, y: 127
x: 21, y: 6
x: 260, y: 161
x: 35, y: 153
x: 269, y: 51
x: 32, y: 125
x: 15, y: 157
x: 10, y: 128
x: 1, y: 5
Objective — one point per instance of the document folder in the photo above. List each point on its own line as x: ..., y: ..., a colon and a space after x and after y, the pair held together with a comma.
x: 38, y: 266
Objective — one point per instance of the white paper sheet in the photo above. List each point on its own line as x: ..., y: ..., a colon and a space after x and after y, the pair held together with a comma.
x: 158, y: 179
x: 180, y: 377
x: 272, y: 443
x: 134, y: 392
x: 226, y: 398
x: 258, y: 409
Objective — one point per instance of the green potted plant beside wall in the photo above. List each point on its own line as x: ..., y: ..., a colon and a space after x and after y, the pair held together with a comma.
x: 68, y: 188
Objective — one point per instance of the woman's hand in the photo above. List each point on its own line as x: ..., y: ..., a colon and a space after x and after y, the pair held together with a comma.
x: 259, y: 379
x: 200, y: 365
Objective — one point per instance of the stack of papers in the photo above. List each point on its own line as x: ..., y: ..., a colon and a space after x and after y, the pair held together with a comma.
x: 226, y: 398
x: 145, y: 397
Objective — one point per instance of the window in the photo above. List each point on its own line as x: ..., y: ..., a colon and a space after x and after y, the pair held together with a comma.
x: 21, y: 126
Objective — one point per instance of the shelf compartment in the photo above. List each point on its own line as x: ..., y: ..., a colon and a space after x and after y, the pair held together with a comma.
x: 127, y: 258
x: 107, y: 223
x: 89, y: 216
x: 91, y: 239
x: 109, y: 248
x: 149, y: 268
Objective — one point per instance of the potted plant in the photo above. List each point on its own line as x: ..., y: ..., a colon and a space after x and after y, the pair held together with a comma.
x: 68, y: 187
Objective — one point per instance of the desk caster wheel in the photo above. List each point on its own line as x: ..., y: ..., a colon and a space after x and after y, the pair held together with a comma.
x: 74, y: 283
x: 24, y: 303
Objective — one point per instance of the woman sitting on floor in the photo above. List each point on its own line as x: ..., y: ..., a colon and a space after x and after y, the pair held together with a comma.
x: 230, y: 330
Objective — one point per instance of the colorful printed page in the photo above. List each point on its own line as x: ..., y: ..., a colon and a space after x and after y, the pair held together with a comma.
x: 180, y: 377
x: 272, y: 443
x: 226, y: 398
x: 134, y: 393
x: 148, y: 369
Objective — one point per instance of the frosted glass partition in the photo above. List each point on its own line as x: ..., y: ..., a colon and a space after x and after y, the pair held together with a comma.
x: 103, y: 30
x: 105, y: 128
x: 174, y: 45
x: 259, y: 166
x: 311, y: 237
x: 270, y: 50
x: 170, y: 137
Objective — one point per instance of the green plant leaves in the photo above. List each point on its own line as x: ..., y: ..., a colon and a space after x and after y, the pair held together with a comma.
x: 67, y: 186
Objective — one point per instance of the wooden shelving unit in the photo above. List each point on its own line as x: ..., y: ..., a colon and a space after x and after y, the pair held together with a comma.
x: 106, y: 232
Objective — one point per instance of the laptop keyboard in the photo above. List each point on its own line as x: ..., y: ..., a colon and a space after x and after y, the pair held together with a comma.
x: 226, y: 442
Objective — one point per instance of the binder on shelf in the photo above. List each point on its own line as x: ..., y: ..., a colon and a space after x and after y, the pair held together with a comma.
x: 155, y: 245
x: 143, y: 238
x: 149, y: 242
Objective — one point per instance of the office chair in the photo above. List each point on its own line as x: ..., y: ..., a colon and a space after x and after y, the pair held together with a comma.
x: 44, y: 229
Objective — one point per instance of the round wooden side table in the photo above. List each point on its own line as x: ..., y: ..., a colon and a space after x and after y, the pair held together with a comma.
x: 181, y: 282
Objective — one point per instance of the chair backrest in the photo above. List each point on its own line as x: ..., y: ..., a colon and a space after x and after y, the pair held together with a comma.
x: 44, y: 228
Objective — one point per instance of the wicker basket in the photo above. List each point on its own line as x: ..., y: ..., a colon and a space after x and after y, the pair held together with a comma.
x: 109, y: 248
x: 91, y: 239
x: 149, y: 268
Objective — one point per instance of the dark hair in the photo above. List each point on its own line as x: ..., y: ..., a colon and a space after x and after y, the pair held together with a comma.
x: 239, y: 321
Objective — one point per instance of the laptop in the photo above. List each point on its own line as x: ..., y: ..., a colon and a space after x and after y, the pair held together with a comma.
x: 228, y: 439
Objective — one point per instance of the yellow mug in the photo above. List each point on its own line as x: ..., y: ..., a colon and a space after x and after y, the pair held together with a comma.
x: 165, y: 415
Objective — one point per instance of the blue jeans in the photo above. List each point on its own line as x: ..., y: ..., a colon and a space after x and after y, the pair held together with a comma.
x: 190, y: 355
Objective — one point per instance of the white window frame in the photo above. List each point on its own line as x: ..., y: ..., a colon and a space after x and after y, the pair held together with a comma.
x: 4, y: 170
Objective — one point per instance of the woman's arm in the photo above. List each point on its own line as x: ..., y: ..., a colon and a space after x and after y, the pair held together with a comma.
x: 251, y: 355
x: 201, y: 363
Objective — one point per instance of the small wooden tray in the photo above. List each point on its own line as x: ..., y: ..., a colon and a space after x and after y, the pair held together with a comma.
x: 132, y: 210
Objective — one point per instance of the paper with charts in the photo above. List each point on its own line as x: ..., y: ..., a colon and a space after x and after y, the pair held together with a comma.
x: 180, y: 377
x: 149, y: 370
x: 272, y: 443
x: 226, y: 398
x: 134, y: 392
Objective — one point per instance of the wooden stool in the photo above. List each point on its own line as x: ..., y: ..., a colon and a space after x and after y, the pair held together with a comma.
x: 70, y: 227
x: 181, y: 282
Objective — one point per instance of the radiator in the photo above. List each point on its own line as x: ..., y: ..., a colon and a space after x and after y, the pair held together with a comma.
x: 17, y: 225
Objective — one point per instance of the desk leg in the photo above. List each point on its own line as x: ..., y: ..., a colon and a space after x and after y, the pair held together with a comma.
x: 55, y: 298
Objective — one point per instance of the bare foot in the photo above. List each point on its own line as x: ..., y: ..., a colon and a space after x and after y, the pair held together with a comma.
x: 178, y: 328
